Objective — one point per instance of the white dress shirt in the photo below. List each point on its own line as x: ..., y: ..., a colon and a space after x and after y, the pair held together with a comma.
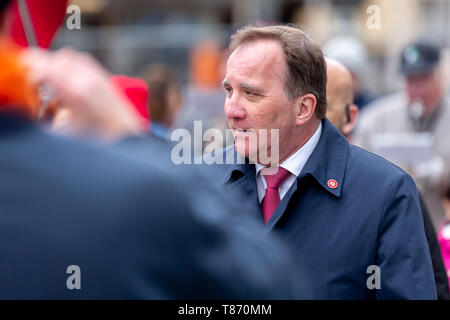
x: 294, y: 164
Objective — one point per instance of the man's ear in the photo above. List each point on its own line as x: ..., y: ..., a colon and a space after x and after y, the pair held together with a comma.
x: 352, y: 117
x: 306, y: 105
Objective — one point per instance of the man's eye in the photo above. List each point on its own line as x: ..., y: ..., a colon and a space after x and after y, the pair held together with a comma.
x: 249, y: 93
x: 228, y: 90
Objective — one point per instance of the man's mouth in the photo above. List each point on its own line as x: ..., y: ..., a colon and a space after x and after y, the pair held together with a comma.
x: 242, y: 130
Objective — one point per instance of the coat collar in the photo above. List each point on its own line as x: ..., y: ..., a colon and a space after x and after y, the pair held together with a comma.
x: 12, y: 121
x: 326, y: 164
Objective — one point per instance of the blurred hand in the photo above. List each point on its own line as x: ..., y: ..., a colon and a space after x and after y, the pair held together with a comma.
x: 92, y: 106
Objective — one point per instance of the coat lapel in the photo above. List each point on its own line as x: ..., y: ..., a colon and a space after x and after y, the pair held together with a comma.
x: 246, y: 186
x: 239, y: 176
x: 327, y: 163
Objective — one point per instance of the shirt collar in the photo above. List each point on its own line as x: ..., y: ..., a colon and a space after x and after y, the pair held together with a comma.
x: 326, y: 164
x: 295, y: 163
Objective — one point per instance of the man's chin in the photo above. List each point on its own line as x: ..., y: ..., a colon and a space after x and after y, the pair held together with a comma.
x: 245, y: 151
x: 249, y: 153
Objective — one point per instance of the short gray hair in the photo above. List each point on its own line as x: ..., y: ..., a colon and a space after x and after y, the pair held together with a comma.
x: 306, y: 67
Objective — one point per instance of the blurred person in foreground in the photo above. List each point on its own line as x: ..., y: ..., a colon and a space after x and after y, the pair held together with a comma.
x: 343, y: 211
x: 343, y: 113
x: 165, y: 99
x: 130, y: 227
x: 421, y: 108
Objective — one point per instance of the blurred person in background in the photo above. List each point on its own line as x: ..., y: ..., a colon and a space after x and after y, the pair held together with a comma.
x: 353, y: 55
x: 165, y: 101
x: 129, y: 227
x: 339, y: 208
x: 421, y: 108
x: 203, y: 96
x: 343, y: 113
x: 341, y: 109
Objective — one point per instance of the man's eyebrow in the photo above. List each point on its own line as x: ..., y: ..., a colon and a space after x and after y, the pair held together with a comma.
x: 251, y: 88
x: 245, y: 86
x: 225, y: 83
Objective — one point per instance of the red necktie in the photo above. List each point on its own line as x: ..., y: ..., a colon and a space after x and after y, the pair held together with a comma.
x: 272, y: 197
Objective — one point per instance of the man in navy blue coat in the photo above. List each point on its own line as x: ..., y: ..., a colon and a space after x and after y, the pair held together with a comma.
x: 352, y: 219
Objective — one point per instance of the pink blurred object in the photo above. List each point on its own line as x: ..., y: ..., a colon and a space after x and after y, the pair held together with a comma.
x: 137, y: 92
x: 46, y: 17
x: 444, y: 242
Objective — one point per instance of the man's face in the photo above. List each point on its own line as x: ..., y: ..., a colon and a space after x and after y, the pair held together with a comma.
x: 425, y: 87
x: 256, y: 98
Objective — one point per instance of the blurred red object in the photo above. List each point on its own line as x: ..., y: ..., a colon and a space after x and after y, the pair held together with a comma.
x: 137, y: 92
x: 46, y: 18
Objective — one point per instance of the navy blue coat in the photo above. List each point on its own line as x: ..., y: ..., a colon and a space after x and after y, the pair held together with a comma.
x: 131, y: 228
x: 373, y: 217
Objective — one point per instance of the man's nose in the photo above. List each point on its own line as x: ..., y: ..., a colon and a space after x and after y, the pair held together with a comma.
x: 233, y: 109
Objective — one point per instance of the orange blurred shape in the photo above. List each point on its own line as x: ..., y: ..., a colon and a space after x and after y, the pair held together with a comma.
x: 16, y: 92
x: 205, y: 62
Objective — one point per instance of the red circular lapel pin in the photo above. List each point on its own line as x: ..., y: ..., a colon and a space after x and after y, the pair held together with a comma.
x: 332, y: 184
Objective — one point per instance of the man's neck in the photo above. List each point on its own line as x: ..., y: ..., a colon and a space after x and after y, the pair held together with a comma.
x: 307, y: 131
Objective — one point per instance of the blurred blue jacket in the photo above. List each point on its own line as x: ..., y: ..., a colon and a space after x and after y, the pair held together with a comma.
x: 131, y: 227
